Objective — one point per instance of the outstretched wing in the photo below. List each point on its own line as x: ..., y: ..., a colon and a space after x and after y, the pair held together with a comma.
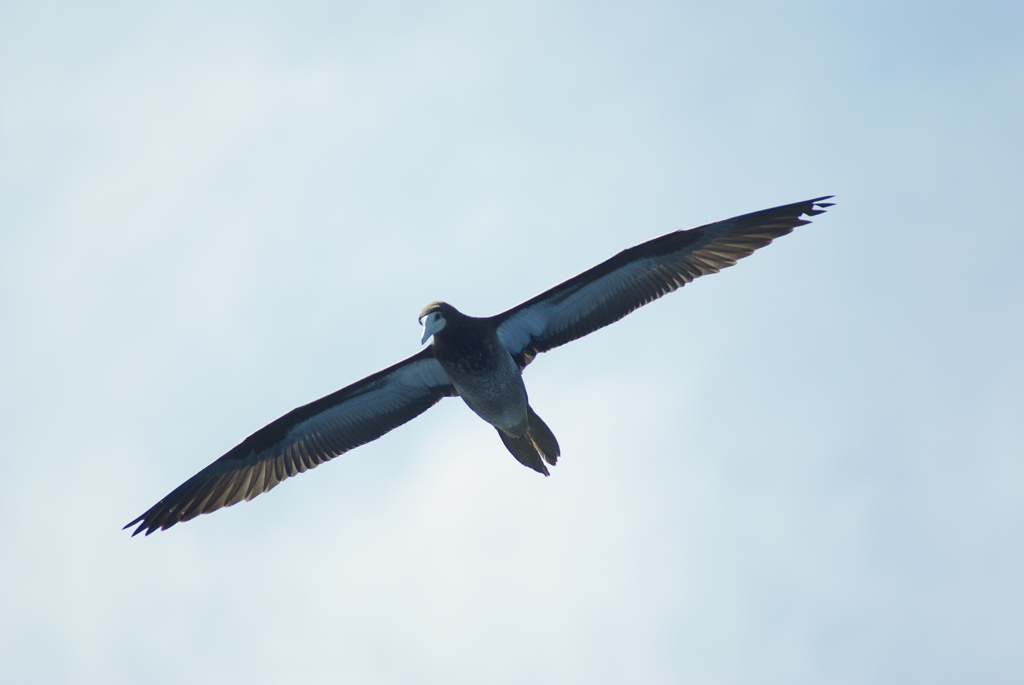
x: 641, y: 274
x: 304, y: 438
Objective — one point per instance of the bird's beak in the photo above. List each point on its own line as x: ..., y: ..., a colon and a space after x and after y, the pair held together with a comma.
x: 432, y: 325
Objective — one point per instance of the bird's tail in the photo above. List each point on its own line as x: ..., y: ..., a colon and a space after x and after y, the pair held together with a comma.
x: 536, y: 446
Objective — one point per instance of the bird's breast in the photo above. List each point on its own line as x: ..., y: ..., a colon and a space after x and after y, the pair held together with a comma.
x: 489, y: 382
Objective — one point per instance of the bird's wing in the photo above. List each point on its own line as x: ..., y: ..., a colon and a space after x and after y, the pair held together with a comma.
x: 306, y: 437
x: 641, y: 274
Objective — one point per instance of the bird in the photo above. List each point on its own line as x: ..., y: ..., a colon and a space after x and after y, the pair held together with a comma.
x: 480, y: 359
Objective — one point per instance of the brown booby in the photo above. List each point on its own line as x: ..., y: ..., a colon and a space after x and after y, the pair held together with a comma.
x: 480, y: 360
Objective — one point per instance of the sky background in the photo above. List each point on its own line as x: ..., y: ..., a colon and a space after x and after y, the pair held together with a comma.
x: 805, y: 469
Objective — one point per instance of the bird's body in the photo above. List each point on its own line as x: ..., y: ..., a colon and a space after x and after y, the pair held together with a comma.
x: 489, y: 381
x: 481, y: 369
x: 478, y: 359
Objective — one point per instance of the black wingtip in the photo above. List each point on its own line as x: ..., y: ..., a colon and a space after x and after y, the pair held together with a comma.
x: 143, y: 526
x: 818, y: 207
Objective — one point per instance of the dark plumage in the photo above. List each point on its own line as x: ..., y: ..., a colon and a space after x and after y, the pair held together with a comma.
x: 479, y: 359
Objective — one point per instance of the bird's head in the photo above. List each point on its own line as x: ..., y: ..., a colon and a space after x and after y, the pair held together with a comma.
x: 433, y: 318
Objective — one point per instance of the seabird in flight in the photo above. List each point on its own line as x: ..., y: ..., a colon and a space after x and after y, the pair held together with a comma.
x: 480, y: 360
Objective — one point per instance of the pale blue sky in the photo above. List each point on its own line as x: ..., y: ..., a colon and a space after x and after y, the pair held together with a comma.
x: 805, y: 469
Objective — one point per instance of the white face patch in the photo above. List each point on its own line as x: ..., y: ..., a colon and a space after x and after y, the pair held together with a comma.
x: 432, y: 323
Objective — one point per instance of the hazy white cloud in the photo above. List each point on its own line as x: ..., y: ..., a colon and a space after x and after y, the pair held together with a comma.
x: 805, y: 469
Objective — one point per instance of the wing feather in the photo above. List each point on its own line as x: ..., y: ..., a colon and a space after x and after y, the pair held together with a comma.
x: 305, y: 438
x: 639, y: 275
